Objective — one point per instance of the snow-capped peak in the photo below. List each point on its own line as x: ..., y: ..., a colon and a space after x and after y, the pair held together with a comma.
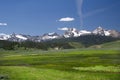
x: 99, y: 31
x: 21, y: 37
x: 52, y: 35
x: 4, y: 36
x: 69, y: 32
x: 99, y: 27
x: 73, y: 32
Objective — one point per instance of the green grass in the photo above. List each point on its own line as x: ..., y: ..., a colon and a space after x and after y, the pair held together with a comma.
x: 99, y: 68
x: 76, y: 64
x: 30, y: 73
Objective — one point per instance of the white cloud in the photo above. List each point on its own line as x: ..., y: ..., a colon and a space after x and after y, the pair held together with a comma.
x: 3, y: 24
x: 63, y: 29
x: 67, y: 19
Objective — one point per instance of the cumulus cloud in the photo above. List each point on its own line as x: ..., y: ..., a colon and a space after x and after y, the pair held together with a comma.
x: 3, y: 24
x: 67, y: 19
x: 63, y: 29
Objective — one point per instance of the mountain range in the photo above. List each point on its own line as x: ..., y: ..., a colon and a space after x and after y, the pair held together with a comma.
x: 69, y: 33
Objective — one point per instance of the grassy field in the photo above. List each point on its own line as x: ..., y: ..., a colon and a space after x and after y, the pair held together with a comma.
x: 74, y: 64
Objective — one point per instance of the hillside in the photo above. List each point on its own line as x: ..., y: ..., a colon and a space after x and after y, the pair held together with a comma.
x: 85, y: 41
x: 113, y: 44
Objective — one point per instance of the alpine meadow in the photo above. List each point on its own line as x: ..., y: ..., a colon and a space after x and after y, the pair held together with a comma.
x: 59, y: 40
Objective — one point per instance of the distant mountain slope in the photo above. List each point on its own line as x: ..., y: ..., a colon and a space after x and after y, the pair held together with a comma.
x: 69, y: 33
x: 84, y: 41
x: 71, y: 39
x: 114, y: 44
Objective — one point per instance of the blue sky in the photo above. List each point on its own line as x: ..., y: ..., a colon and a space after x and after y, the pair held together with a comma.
x: 36, y: 17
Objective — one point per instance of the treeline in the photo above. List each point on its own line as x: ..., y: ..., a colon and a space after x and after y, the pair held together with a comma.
x: 8, y: 45
x: 64, y: 43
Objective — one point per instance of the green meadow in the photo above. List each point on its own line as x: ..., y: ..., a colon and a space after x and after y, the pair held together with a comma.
x: 73, y: 64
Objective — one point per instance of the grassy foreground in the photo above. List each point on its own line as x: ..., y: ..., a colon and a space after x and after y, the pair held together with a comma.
x: 84, y: 64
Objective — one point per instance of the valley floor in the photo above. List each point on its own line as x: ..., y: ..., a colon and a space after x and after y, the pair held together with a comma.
x: 74, y: 64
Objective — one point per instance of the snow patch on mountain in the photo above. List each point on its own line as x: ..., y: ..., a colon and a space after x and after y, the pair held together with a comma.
x: 73, y: 32
x: 101, y: 31
x: 4, y: 36
x: 107, y: 33
x: 48, y: 36
x: 21, y: 37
